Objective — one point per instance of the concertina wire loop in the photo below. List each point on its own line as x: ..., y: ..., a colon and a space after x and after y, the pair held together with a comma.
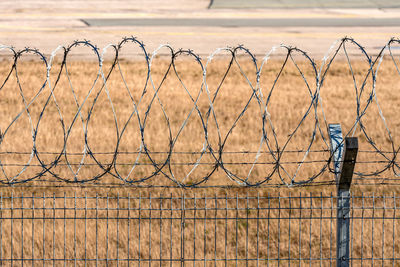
x: 269, y: 142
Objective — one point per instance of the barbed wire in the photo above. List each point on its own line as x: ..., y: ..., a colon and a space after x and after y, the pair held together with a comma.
x: 214, y: 152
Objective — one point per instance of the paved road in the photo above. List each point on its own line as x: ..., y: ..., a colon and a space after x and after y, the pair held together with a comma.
x: 234, y: 22
x: 304, y: 4
x: 45, y: 24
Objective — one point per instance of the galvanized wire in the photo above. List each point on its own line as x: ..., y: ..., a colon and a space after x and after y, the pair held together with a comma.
x: 211, y: 154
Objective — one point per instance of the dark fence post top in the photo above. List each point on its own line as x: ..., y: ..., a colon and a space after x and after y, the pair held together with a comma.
x: 348, y: 162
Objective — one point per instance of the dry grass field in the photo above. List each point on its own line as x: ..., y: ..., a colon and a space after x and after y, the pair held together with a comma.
x: 288, y: 102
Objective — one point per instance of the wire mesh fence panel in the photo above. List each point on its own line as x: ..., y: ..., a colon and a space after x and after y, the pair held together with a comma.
x: 375, y: 226
x: 194, y: 230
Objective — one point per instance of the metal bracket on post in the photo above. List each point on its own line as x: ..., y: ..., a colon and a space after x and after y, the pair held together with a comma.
x: 344, y: 159
x: 336, y: 136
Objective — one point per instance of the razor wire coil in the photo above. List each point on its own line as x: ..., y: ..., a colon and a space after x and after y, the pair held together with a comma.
x: 216, y: 154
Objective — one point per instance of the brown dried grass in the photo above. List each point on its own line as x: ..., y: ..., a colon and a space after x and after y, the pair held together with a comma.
x: 289, y: 100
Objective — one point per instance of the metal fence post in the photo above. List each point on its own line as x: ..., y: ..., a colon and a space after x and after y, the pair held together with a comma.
x: 345, y: 154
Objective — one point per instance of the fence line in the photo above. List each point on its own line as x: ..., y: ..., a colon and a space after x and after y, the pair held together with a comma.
x: 191, y: 229
x: 213, y: 155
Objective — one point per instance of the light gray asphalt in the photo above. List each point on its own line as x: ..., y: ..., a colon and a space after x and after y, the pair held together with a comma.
x: 279, y: 22
x: 304, y: 4
x: 46, y: 24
